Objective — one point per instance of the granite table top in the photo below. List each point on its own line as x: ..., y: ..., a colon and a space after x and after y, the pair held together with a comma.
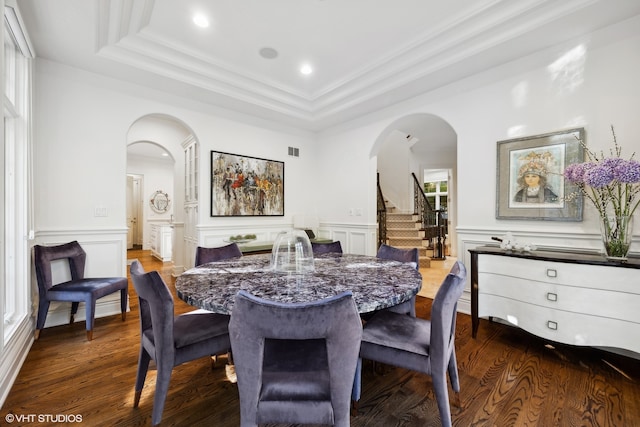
x: 375, y: 283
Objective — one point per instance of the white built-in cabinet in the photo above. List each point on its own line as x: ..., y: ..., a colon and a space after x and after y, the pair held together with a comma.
x: 161, y: 241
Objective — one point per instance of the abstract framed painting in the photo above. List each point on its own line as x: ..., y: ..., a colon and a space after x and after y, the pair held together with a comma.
x: 530, y: 180
x: 246, y: 186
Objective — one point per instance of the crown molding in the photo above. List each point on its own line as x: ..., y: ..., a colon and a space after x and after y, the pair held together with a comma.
x: 450, y: 51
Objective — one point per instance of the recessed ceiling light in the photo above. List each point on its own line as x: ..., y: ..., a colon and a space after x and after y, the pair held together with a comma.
x: 306, y: 69
x: 165, y: 154
x: 268, y: 52
x: 200, y: 20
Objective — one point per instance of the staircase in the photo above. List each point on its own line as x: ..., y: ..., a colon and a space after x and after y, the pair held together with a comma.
x: 403, y: 231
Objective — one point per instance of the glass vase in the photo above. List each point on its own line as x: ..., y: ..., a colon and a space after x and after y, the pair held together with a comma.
x: 617, y: 232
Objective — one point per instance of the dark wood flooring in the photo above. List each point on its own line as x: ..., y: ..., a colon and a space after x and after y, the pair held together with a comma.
x: 508, y: 378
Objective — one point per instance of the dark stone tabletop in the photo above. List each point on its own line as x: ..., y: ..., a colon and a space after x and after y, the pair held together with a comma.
x: 375, y: 283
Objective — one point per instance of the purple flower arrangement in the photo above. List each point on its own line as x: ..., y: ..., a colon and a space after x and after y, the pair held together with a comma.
x: 612, y: 184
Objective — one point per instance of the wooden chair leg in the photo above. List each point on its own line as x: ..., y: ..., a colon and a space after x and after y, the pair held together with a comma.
x: 214, y: 359
x: 90, y: 335
x: 354, y: 408
x: 36, y: 334
x: 136, y: 398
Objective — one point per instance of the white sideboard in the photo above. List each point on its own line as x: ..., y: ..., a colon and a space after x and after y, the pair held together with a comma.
x: 161, y: 241
x: 572, y: 298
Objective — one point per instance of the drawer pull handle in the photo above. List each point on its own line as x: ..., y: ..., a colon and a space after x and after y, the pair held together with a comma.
x: 552, y: 272
x: 552, y: 325
x: 552, y: 296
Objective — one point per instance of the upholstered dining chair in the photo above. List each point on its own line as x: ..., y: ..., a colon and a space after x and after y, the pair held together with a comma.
x: 295, y: 363
x: 78, y: 289
x: 171, y: 341
x: 324, y: 248
x: 402, y: 255
x: 205, y: 255
x: 426, y: 346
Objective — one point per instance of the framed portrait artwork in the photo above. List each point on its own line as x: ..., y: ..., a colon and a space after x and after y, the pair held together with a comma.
x: 246, y: 186
x: 530, y: 181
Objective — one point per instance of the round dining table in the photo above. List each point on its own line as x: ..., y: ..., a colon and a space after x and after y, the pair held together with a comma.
x: 374, y: 282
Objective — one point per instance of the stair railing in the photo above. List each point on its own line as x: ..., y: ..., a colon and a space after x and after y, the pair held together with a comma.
x: 382, y: 216
x: 433, y: 222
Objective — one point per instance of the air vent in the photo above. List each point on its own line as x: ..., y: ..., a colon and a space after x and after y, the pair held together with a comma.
x: 293, y: 151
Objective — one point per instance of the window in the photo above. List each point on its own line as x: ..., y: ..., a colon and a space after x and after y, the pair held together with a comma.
x: 15, y: 213
x: 437, y: 195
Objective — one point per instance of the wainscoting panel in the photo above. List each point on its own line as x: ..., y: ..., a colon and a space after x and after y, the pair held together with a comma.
x: 106, y: 257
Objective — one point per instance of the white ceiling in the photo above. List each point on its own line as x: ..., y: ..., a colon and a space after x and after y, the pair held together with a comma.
x: 367, y: 54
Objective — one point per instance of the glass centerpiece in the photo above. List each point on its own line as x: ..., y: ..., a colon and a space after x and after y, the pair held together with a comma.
x: 292, y: 253
x: 612, y: 185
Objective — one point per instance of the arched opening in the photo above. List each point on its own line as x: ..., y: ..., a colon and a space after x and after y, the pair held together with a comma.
x: 424, y: 145
x: 156, y: 164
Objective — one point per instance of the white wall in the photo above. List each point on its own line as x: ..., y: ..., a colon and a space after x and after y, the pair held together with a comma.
x: 83, y: 121
x: 598, y: 88
x: 394, y: 166
x: 80, y: 161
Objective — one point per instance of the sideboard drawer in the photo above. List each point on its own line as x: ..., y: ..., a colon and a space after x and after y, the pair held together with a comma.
x: 563, y: 326
x: 598, y: 302
x: 582, y: 275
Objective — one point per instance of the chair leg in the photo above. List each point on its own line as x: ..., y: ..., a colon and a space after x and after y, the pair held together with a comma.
x: 143, y: 366
x: 442, y: 397
x: 43, y: 309
x: 124, y: 296
x: 214, y: 359
x: 90, y: 310
x: 74, y: 310
x: 163, y: 378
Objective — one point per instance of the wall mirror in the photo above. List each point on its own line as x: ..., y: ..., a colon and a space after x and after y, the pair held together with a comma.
x: 160, y: 202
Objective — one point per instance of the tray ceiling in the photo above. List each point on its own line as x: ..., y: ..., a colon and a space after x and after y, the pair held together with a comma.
x: 365, y: 54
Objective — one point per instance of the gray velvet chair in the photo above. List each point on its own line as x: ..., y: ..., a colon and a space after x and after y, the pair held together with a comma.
x: 403, y: 255
x: 171, y: 341
x: 295, y: 363
x: 78, y: 289
x: 325, y: 248
x: 205, y: 255
x: 421, y: 345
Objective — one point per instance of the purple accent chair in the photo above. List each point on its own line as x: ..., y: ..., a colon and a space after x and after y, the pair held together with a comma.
x: 295, y: 363
x: 78, y: 289
x: 325, y: 248
x: 421, y: 345
x: 206, y: 255
x: 171, y: 341
x: 403, y: 255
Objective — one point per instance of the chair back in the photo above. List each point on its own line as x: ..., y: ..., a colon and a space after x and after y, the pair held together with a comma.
x: 44, y: 255
x: 254, y: 327
x: 401, y: 255
x: 205, y: 255
x: 324, y: 248
x: 443, y: 314
x: 156, y: 310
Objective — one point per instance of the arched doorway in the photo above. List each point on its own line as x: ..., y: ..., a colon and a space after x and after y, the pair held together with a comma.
x: 419, y: 143
x: 169, y: 135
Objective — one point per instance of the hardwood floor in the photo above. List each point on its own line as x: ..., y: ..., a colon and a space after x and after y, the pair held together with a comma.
x: 508, y: 378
